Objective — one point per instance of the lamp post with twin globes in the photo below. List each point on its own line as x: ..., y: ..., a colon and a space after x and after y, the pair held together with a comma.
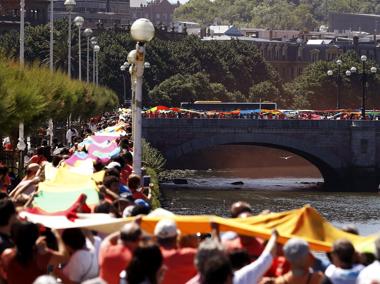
x: 142, y: 30
x: 364, y: 81
x: 330, y: 73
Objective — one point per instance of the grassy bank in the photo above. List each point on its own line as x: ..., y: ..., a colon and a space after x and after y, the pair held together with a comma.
x: 155, y: 189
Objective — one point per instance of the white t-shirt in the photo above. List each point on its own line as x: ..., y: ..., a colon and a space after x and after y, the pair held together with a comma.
x: 83, y: 265
x: 370, y: 274
x: 252, y: 273
x: 338, y: 275
x: 95, y: 246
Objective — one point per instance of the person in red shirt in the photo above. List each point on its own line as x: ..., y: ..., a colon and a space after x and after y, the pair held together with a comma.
x: 30, y: 258
x: 116, y: 252
x: 5, y: 180
x: 134, y: 185
x: 179, y: 261
x: 126, y: 171
x: 39, y: 157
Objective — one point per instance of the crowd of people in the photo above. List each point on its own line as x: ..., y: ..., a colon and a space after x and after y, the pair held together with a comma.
x: 32, y: 253
x: 263, y: 115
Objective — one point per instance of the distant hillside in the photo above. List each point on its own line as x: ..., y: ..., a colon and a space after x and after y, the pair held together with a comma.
x: 275, y: 14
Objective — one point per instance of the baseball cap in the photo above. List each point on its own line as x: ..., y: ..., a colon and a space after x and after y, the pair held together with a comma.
x: 295, y: 249
x: 165, y: 228
x: 142, y: 202
x: 113, y: 165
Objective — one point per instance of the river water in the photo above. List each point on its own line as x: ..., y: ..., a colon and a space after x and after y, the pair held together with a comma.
x: 277, y: 187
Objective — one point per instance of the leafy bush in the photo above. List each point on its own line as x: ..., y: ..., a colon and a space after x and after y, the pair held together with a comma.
x: 152, y: 158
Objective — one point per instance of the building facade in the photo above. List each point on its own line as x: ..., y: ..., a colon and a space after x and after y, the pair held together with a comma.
x: 97, y: 13
x: 36, y: 12
x: 340, y: 22
x: 158, y: 11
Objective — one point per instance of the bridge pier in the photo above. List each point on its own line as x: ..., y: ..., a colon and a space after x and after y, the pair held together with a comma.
x: 355, y: 179
x: 362, y: 180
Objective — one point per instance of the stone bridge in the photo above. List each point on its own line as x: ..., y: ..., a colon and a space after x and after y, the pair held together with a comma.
x: 347, y: 153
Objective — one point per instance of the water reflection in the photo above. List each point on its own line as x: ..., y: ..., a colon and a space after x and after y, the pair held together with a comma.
x: 209, y: 193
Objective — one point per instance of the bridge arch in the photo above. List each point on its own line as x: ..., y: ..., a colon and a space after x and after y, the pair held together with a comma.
x: 327, y: 162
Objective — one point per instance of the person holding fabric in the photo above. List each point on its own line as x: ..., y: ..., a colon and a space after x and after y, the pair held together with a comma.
x: 297, y: 253
x: 82, y: 264
x: 249, y: 274
x: 179, y: 261
x: 27, y: 186
x: 147, y: 265
x: 39, y: 157
x: 30, y: 258
x: 116, y: 252
x: 343, y: 269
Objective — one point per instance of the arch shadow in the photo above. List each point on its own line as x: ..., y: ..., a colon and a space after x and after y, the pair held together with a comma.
x: 327, y: 162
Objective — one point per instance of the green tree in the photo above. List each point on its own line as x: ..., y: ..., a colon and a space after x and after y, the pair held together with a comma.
x: 264, y: 91
x: 315, y: 89
x: 187, y: 88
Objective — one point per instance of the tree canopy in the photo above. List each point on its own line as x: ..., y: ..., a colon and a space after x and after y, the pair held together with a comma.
x: 227, y: 70
x: 33, y: 94
x: 316, y: 90
x: 279, y: 14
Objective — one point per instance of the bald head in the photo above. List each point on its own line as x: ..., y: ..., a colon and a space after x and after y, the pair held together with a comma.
x: 130, y: 232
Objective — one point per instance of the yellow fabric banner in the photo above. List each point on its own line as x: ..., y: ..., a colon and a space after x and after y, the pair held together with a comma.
x: 305, y: 223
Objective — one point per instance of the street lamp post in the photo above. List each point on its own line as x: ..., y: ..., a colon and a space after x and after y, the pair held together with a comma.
x: 338, y: 81
x: 142, y: 30
x: 93, y: 43
x: 21, y: 143
x: 22, y: 31
x: 87, y: 33
x: 69, y: 4
x: 363, y: 58
x: 364, y: 79
x: 122, y: 69
x: 51, y: 42
x: 79, y: 23
x: 96, y: 50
